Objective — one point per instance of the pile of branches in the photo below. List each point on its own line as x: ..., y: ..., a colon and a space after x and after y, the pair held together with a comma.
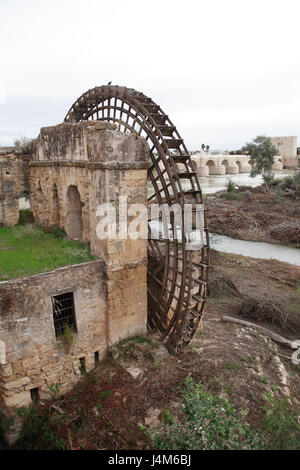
x: 287, y: 233
x: 269, y: 312
x: 222, y: 285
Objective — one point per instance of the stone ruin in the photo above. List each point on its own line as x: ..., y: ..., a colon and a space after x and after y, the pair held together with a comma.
x: 72, y: 168
x: 114, y: 143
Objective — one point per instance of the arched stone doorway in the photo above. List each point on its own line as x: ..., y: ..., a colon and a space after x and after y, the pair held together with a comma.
x: 74, y: 225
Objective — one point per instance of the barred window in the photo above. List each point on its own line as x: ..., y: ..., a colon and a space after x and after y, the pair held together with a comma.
x: 63, y: 313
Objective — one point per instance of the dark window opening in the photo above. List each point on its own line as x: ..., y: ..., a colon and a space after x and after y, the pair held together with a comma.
x: 34, y: 393
x: 7, y: 172
x: 96, y: 358
x: 63, y: 313
x: 82, y: 365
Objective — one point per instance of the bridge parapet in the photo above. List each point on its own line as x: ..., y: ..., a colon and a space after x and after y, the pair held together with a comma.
x: 222, y: 164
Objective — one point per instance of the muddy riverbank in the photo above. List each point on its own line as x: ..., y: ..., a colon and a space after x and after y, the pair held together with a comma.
x: 256, y: 215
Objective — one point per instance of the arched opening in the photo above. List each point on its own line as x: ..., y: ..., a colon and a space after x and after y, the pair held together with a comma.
x: 211, y: 166
x: 74, y: 226
x: 239, y: 165
x: 226, y: 164
x: 55, y: 206
x: 24, y: 201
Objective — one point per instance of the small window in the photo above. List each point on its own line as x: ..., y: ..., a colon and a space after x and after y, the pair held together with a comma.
x: 97, y: 358
x: 82, y: 365
x: 63, y: 313
x: 34, y: 394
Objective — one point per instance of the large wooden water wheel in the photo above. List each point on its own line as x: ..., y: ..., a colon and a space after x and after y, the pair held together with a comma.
x: 177, y: 269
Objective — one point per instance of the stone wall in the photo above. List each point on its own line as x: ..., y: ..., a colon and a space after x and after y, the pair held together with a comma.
x: 13, y: 180
x: 103, y: 165
x: 73, y: 169
x: 32, y: 356
x: 287, y: 148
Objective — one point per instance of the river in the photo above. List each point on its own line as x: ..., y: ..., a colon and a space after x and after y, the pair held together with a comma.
x: 260, y: 250
x: 212, y: 184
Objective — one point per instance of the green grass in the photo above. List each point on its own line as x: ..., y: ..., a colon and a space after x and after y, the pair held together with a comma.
x: 208, y: 423
x: 27, y: 250
x: 232, y: 196
x: 231, y: 365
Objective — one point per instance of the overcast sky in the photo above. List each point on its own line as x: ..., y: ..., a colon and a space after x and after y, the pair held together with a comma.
x: 224, y: 71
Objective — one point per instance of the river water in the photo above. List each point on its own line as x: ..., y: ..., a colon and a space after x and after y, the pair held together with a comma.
x: 212, y: 184
x: 260, y: 250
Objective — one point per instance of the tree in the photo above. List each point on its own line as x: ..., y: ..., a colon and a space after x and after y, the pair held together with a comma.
x: 262, y: 154
x: 21, y: 142
x: 203, y: 146
x: 207, y: 148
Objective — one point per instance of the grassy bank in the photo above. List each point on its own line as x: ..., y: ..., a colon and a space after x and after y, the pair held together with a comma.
x: 27, y: 250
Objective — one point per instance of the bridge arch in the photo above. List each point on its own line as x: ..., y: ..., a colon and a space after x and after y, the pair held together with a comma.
x: 225, y: 163
x: 238, y: 163
x: 211, y: 166
x: 177, y: 276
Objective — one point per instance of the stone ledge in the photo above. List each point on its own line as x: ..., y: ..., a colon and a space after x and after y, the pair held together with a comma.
x: 47, y: 273
x: 93, y: 165
x: 127, y: 265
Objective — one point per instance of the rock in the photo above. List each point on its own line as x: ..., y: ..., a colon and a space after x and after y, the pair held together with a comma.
x: 160, y: 353
x: 113, y: 352
x: 151, y: 418
x: 135, y: 372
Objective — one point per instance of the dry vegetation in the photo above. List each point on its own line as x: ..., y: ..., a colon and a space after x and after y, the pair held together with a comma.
x: 255, y: 214
x: 141, y: 397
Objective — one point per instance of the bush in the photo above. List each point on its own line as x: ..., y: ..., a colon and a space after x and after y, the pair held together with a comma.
x: 55, y: 230
x: 292, y: 182
x: 230, y: 186
x: 25, y: 217
x: 233, y: 196
x: 209, y: 423
x: 281, y: 424
x: 43, y: 429
x: 287, y: 233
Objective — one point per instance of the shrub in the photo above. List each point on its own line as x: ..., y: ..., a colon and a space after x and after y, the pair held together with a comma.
x: 43, y: 429
x: 55, y: 230
x: 230, y: 186
x: 281, y: 424
x: 67, y: 338
x: 209, y: 423
x: 233, y: 196
x: 287, y: 233
x: 25, y: 217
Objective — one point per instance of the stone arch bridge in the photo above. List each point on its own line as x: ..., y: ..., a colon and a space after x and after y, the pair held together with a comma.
x: 222, y: 164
